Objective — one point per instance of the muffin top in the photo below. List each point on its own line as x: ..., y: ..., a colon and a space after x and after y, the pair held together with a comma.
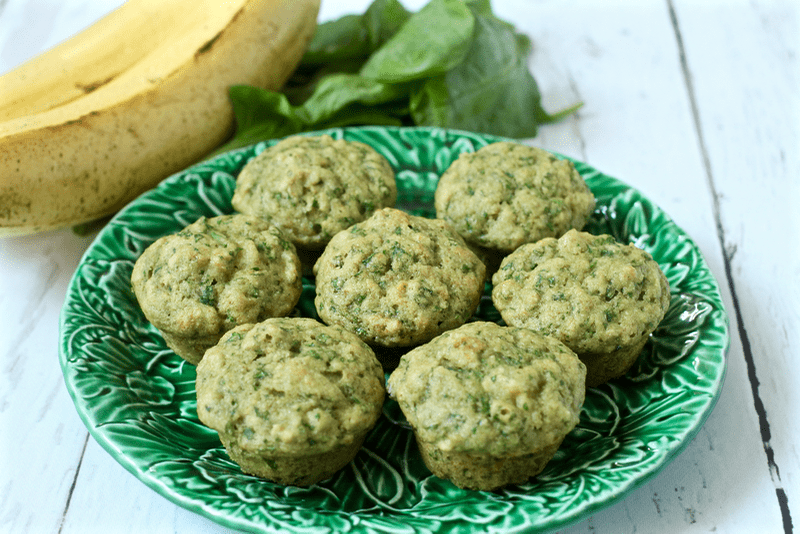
x: 507, y: 194
x: 591, y: 292
x: 290, y: 386
x: 398, y: 279
x: 314, y: 186
x: 215, y: 274
x: 489, y: 389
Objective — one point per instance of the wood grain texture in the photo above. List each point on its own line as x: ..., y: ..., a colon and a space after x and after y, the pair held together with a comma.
x: 696, y: 104
x: 638, y: 125
x: 748, y: 116
x: 41, y: 435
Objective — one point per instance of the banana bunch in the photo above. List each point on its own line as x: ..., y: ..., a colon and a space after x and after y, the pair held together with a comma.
x: 143, y: 93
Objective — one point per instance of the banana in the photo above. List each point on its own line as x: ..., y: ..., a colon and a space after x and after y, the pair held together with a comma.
x: 161, y: 107
x: 91, y: 58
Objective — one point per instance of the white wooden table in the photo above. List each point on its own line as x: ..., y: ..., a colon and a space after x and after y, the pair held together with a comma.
x: 694, y: 103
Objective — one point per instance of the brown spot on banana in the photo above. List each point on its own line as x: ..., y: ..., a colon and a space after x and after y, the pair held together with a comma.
x: 88, y: 88
x: 88, y: 158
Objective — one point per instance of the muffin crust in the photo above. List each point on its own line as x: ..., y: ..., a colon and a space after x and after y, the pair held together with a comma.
x: 397, y: 279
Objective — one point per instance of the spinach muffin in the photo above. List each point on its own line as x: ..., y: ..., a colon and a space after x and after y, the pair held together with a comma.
x: 507, y: 194
x: 312, y: 187
x: 291, y: 398
x: 397, y: 279
x: 213, y: 275
x: 489, y: 404
x: 600, y: 297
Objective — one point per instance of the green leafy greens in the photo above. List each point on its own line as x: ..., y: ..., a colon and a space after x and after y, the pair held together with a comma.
x: 452, y: 64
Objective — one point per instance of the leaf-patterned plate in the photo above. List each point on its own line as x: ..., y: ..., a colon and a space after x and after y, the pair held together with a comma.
x: 137, y: 398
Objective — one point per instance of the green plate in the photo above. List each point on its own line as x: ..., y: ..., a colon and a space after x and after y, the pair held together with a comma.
x: 137, y: 398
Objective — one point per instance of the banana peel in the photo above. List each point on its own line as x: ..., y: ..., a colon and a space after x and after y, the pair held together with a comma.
x: 92, y: 58
x: 160, y: 109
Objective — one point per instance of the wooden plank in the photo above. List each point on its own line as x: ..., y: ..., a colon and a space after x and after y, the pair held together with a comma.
x: 41, y: 435
x: 746, y: 87
x: 109, y: 499
x: 622, y: 60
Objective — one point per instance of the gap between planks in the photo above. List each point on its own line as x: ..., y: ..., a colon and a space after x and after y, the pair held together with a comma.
x: 74, y: 483
x: 727, y: 256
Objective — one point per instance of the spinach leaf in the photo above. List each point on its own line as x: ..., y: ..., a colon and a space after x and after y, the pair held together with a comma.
x: 452, y: 64
x: 430, y: 43
x: 491, y: 91
x: 339, y: 100
x: 355, y: 36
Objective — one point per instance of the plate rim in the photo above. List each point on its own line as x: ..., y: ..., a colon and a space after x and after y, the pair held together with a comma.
x: 203, y: 509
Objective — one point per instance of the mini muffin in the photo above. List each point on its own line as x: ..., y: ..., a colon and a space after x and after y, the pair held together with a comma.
x: 397, y: 279
x: 312, y: 187
x: 291, y: 398
x: 507, y: 194
x: 213, y: 275
x: 489, y: 404
x: 602, y: 298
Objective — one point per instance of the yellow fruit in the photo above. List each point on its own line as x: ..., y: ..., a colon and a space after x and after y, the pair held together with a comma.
x: 164, y: 108
x: 91, y: 58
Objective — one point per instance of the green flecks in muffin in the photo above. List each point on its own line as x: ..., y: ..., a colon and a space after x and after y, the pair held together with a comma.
x: 396, y: 249
x: 365, y: 262
x: 271, y: 463
x: 218, y: 237
x: 284, y: 243
x: 455, y: 420
x: 324, y: 339
x: 360, y: 331
x: 313, y: 354
x: 235, y: 337
x: 265, y: 250
x: 207, y: 296
x: 611, y: 291
x: 349, y: 393
x: 400, y: 259
x: 260, y: 375
x: 262, y: 372
x: 543, y: 278
x: 480, y: 403
x: 425, y: 296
